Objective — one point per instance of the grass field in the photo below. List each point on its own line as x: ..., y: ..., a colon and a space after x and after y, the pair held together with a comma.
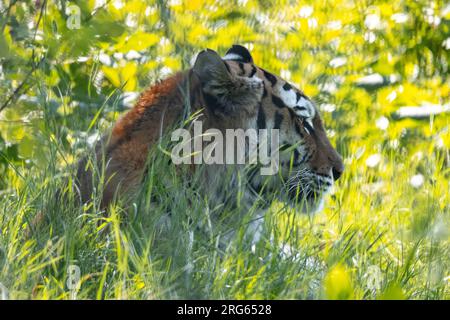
x: 383, y: 234
x: 379, y: 237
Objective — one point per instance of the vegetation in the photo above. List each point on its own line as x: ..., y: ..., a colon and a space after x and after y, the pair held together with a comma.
x: 65, y: 78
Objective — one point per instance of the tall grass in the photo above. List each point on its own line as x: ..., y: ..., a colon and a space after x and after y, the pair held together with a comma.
x: 378, y: 237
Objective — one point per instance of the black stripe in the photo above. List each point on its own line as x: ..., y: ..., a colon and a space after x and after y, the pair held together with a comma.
x: 296, y: 156
x: 308, y: 127
x: 227, y: 66
x: 300, y: 108
x: 252, y: 73
x: 287, y: 86
x: 299, y: 95
x: 270, y: 77
x: 278, y: 119
x: 297, y: 128
x: 264, y: 92
x: 261, y: 121
x: 241, y: 66
x: 304, y: 159
x: 278, y: 102
x: 242, y: 52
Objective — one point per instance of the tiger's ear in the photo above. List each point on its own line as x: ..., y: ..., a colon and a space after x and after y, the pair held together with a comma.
x: 238, y: 53
x: 225, y: 93
x: 210, y: 67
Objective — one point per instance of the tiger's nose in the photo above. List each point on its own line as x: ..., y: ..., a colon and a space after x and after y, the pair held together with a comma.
x: 337, y: 172
x: 337, y: 166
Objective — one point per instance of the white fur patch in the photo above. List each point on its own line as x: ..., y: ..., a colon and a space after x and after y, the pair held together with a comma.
x: 232, y: 56
x: 303, y: 107
x: 289, y: 98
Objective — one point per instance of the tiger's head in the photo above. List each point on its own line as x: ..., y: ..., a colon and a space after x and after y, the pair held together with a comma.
x: 239, y: 94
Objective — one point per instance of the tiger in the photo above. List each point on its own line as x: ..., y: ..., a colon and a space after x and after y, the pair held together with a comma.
x: 229, y: 92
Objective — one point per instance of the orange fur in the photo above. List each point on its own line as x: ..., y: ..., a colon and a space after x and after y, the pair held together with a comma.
x: 127, y: 148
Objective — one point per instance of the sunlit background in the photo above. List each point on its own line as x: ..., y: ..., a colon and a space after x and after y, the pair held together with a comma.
x: 378, y: 72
